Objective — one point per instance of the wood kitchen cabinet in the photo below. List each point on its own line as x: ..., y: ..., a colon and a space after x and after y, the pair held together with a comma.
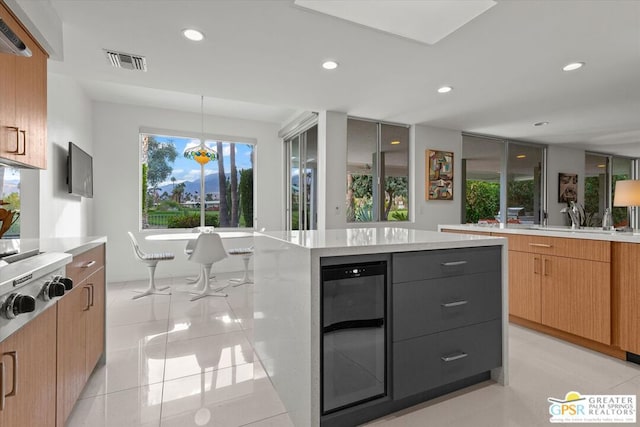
x: 81, y: 314
x: 28, y: 363
x: 625, y: 270
x: 562, y: 283
x: 23, y: 110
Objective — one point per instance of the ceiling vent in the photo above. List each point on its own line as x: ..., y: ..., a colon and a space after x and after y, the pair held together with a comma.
x: 126, y: 60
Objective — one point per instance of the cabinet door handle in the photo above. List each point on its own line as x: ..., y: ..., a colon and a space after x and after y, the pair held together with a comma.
x: 88, y: 299
x: 546, y: 270
x: 2, y: 395
x: 89, y: 264
x: 453, y: 263
x: 14, y: 386
x: 24, y: 142
x: 454, y: 357
x: 536, y: 265
x: 17, y: 139
x: 540, y: 245
x: 454, y: 303
x: 92, y: 291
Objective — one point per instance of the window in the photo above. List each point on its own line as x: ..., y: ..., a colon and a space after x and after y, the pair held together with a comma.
x: 10, y: 187
x: 503, y: 181
x: 171, y: 183
x: 377, y: 171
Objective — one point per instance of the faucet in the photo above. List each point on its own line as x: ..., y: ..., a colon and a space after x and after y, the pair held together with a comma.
x: 576, y: 213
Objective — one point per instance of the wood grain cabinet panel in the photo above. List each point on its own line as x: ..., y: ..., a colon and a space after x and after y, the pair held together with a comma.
x: 524, y: 285
x: 28, y: 360
x: 23, y: 110
x: 576, y: 297
x: 81, y: 314
x: 626, y: 294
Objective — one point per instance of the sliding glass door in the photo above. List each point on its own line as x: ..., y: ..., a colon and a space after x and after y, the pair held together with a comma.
x: 302, y: 166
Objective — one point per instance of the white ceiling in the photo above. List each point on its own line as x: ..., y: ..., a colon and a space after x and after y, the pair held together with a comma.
x: 261, y: 60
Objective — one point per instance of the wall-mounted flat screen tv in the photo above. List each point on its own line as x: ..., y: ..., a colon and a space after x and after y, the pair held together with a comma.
x: 79, y: 171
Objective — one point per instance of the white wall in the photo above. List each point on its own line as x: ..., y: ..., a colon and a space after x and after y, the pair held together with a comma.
x: 565, y: 160
x: 48, y: 210
x: 332, y: 161
x: 117, y: 181
x: 427, y: 214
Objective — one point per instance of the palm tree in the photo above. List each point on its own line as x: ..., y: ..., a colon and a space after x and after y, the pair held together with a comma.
x: 173, y: 181
x: 222, y: 180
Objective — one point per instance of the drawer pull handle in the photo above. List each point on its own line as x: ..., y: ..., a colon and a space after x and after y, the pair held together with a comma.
x: 14, y: 358
x: 2, y: 395
x: 455, y: 303
x: 89, y: 264
x: 540, y: 245
x: 453, y: 263
x: 454, y: 357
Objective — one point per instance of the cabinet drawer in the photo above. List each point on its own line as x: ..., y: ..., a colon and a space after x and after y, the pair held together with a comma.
x: 595, y: 250
x: 428, y: 306
x: 421, y: 265
x: 427, y: 362
x: 85, y: 264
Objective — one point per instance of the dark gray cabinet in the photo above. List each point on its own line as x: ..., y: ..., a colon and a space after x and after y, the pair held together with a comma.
x: 447, y: 309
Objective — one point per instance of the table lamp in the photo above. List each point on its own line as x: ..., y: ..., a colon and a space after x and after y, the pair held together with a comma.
x: 627, y: 194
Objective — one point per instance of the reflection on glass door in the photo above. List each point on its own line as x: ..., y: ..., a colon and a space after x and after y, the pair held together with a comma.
x: 301, y: 151
x: 596, y: 188
x: 524, y: 183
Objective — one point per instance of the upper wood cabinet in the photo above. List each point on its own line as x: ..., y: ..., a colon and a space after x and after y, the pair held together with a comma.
x: 23, y: 109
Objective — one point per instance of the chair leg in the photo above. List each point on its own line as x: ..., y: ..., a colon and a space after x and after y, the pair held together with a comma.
x: 195, y: 280
x: 152, y: 289
x: 245, y: 278
x: 205, y: 290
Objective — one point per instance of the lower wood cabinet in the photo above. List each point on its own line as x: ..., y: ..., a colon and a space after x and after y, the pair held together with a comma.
x: 525, y: 285
x: 625, y: 271
x: 28, y: 364
x: 81, y: 328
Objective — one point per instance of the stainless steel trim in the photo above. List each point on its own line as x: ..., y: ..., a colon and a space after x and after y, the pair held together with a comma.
x: 454, y: 304
x: 540, y: 245
x: 10, y: 42
x: 453, y: 263
x: 455, y: 357
x: 89, y: 264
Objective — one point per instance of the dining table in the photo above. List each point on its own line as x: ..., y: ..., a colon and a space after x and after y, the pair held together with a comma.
x: 172, y: 237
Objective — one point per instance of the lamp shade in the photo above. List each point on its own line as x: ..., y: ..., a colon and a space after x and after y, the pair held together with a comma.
x: 627, y: 193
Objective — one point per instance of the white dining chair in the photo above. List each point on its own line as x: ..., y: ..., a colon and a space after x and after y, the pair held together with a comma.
x: 151, y: 260
x: 207, y: 251
x: 191, y: 244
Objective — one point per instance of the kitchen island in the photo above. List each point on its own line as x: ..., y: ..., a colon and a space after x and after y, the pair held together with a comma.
x: 436, y: 322
x: 580, y: 285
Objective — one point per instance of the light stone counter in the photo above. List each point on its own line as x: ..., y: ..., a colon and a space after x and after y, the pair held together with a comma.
x: 590, y: 233
x: 287, y: 300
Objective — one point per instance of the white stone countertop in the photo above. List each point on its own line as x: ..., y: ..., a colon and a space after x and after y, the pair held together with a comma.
x: 352, y: 241
x: 70, y: 245
x: 590, y: 233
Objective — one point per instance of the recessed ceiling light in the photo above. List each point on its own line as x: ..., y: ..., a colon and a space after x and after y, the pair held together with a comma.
x: 193, y: 35
x: 395, y: 142
x: 521, y: 156
x: 541, y: 123
x: 329, y: 65
x: 602, y: 166
x: 445, y: 89
x: 573, y: 66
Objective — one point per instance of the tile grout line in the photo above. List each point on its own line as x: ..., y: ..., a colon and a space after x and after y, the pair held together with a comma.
x: 164, y: 365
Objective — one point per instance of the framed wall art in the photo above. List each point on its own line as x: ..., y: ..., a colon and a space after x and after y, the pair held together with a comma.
x: 567, y: 187
x: 439, y: 175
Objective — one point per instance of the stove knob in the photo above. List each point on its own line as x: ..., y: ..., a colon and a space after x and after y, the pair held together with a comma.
x: 68, y: 283
x: 51, y: 290
x: 18, y: 304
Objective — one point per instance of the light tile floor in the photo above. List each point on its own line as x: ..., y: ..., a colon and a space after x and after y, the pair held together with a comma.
x: 173, y: 362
